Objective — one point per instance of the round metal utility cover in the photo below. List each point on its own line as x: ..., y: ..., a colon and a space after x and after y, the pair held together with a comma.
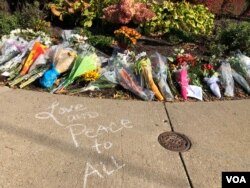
x: 174, y: 141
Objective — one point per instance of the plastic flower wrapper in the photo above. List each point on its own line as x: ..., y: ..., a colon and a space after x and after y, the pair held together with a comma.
x: 212, y: 83
x: 88, y: 61
x: 11, y: 48
x: 118, y: 60
x: 120, y: 70
x: 187, y: 62
x: 62, y: 61
x: 227, y: 79
x: 40, y: 72
x: 126, y: 79
x: 34, y: 73
x: 143, y: 67
x: 241, y: 81
x: 37, y: 69
x: 245, y: 62
x: 211, y: 79
x: 36, y: 50
x: 182, y: 79
x: 194, y: 92
x: 186, y: 70
x: 160, y: 74
x: 72, y: 37
x: 105, y: 81
x: 244, y: 59
x: 239, y: 66
x: 16, y: 61
x: 41, y: 60
x: 45, y: 57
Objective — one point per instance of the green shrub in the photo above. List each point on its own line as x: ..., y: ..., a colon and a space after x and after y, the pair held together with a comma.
x: 7, y: 23
x: 80, y: 13
x: 181, y: 16
x: 175, y: 36
x: 100, y: 41
x: 231, y: 36
x: 32, y: 17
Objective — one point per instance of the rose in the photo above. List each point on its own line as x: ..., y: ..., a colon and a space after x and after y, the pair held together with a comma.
x: 208, y: 67
x: 185, y: 58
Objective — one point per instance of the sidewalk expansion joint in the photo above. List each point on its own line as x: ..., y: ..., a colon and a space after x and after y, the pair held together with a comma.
x: 170, y: 123
x: 186, y: 171
x: 180, y: 154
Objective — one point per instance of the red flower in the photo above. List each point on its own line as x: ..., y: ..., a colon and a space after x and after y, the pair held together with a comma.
x: 185, y: 58
x: 207, y: 66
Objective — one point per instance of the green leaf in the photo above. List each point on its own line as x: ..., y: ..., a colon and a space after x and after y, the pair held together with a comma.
x: 88, y: 23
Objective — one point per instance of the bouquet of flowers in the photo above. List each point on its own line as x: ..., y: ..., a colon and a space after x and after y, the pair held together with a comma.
x: 241, y: 64
x: 127, y: 80
x: 62, y: 61
x: 143, y: 67
x: 241, y: 81
x: 159, y: 68
x: 11, y: 48
x: 227, y: 79
x: 105, y: 81
x: 185, y: 69
x: 180, y: 65
x: 8, y: 66
x: 29, y: 77
x: 211, y: 79
x: 124, y: 75
x: 35, y: 52
x: 84, y: 63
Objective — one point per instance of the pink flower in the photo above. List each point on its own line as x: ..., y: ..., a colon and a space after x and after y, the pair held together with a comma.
x: 126, y: 11
x: 142, y: 13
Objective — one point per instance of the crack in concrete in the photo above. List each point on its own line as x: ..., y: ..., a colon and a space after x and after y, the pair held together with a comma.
x: 180, y: 154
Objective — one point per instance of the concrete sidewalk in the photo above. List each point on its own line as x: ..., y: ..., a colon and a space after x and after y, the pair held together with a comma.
x: 63, y: 141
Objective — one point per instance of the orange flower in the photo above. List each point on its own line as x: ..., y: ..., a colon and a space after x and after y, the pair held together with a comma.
x: 127, y: 35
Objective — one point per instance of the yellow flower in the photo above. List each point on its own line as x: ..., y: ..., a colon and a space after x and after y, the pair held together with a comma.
x: 91, y: 75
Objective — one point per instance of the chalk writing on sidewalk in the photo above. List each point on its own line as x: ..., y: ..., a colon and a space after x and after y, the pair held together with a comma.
x: 55, y: 108
x: 76, y: 113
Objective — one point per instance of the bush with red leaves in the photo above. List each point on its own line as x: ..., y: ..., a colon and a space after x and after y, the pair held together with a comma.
x: 213, y: 5
x: 235, y: 7
x: 232, y: 7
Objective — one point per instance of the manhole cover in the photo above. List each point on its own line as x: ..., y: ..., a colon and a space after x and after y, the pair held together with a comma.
x: 174, y: 141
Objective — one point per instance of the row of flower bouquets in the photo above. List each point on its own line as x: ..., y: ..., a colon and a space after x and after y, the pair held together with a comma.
x: 59, y: 66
